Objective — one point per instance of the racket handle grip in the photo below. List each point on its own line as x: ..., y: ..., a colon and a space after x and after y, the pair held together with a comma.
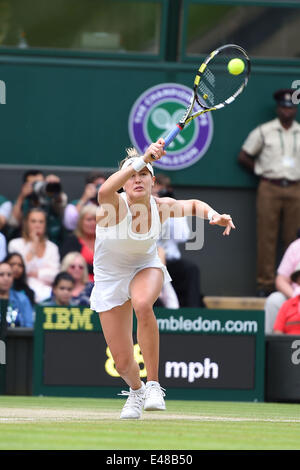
x: 171, y: 136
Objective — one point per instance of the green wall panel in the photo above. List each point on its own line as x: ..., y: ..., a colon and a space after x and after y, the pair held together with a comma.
x: 73, y: 112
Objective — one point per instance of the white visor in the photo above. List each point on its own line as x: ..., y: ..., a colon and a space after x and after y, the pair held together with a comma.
x: 130, y: 160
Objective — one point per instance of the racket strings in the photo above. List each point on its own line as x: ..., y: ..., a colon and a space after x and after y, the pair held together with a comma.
x: 217, y: 84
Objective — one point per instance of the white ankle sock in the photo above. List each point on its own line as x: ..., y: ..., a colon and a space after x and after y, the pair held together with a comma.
x: 139, y: 389
x: 152, y: 382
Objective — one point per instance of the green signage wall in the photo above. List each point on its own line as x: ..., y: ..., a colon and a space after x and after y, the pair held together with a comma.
x: 66, y: 112
x: 204, y: 354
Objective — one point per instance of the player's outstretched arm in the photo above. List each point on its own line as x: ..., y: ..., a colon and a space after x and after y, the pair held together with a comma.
x: 170, y: 207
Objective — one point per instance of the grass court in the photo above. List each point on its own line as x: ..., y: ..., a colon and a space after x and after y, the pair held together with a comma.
x: 56, y: 423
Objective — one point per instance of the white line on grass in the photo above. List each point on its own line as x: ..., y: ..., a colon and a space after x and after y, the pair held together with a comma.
x: 13, y: 415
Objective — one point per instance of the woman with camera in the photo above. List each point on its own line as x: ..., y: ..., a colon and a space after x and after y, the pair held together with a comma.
x: 46, y: 193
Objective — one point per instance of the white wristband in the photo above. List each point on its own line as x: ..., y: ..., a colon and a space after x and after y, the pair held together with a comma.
x: 210, y: 214
x: 138, y: 164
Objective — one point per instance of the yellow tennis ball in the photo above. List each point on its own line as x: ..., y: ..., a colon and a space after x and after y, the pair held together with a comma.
x: 236, y: 66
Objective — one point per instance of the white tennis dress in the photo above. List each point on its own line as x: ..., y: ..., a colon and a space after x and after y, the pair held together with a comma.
x: 119, y: 255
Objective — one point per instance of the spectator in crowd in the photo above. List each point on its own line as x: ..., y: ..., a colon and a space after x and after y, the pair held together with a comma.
x: 284, y: 284
x: 62, y: 288
x: 83, y: 238
x: 75, y: 264
x: 41, y: 256
x: 163, y: 186
x: 20, y: 284
x: 3, y: 247
x: 45, y: 193
x: 5, y: 212
x: 25, y: 199
x: 288, y: 318
x: 272, y: 152
x: 94, y: 180
x: 167, y: 297
x: 19, y: 309
x: 185, y: 274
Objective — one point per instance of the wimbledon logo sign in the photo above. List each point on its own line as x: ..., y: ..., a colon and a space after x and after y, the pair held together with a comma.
x: 156, y: 112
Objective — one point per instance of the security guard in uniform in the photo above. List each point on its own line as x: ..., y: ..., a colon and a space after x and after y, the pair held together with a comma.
x: 272, y: 152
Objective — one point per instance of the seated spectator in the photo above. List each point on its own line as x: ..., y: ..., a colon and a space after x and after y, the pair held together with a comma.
x: 83, y: 239
x: 89, y: 196
x: 163, y: 186
x: 185, y: 274
x: 75, y: 264
x: 5, y: 212
x: 284, y: 284
x: 288, y: 317
x: 19, y: 309
x: 168, y: 297
x: 45, y: 193
x: 41, y: 256
x: 17, y: 265
x: 3, y: 247
x: 62, y: 288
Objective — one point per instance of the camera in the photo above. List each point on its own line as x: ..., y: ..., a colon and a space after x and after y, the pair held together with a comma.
x: 46, y: 194
x: 44, y: 189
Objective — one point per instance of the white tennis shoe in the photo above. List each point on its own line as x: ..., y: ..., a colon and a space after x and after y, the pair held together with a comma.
x: 133, y: 407
x: 154, y: 397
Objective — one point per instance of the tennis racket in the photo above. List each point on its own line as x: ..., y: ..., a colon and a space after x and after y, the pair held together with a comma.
x: 214, y: 85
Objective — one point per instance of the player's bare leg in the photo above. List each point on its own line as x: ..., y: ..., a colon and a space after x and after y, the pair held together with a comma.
x: 145, y: 289
x: 117, y: 329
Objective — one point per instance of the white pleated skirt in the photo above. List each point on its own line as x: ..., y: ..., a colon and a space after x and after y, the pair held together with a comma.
x: 114, y: 291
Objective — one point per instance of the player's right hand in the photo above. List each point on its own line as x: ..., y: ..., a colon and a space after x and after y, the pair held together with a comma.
x: 155, y: 151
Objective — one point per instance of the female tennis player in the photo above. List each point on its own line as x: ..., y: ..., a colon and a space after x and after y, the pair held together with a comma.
x: 129, y: 273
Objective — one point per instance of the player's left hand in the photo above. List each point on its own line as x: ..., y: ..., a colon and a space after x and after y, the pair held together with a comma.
x: 224, y: 220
